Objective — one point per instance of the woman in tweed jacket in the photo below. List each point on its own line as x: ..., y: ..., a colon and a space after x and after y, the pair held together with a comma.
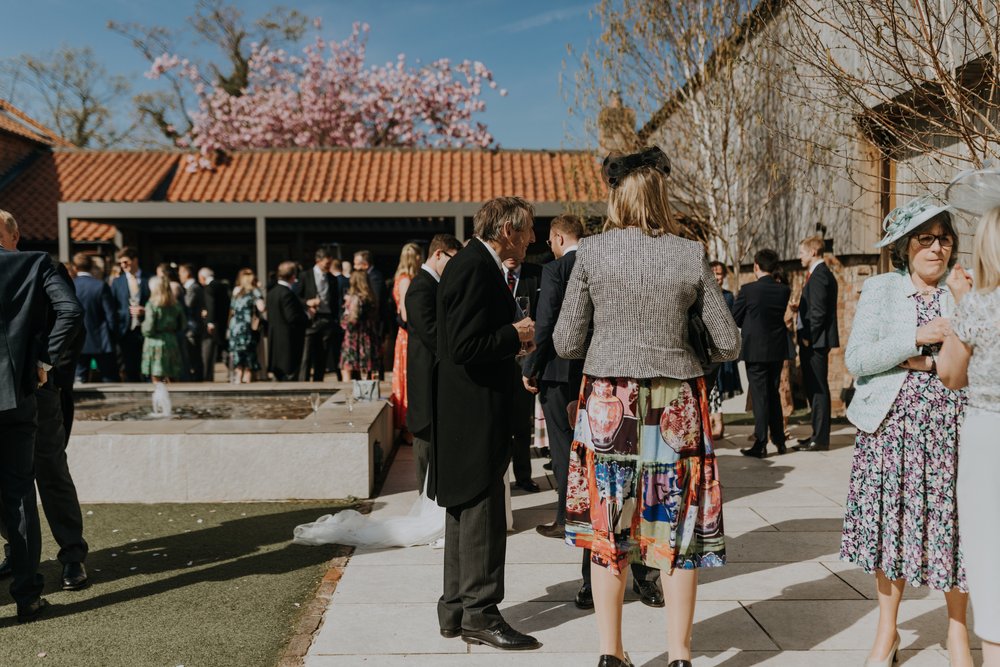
x: 643, y: 483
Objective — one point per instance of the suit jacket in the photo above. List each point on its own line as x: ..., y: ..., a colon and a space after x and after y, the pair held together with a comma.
x: 528, y: 284
x: 29, y: 286
x: 637, y: 290
x: 883, y: 336
x: 100, y: 318
x: 119, y: 290
x: 217, y: 305
x: 286, y: 326
x: 306, y: 288
x: 64, y: 371
x: 383, y: 308
x: 421, y: 353
x: 818, y: 308
x: 544, y: 363
x: 476, y: 344
x: 194, y: 305
x: 341, y: 284
x: 760, y: 312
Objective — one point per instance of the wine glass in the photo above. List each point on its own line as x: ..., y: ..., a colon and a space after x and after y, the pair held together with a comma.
x: 314, y: 401
x: 523, y: 305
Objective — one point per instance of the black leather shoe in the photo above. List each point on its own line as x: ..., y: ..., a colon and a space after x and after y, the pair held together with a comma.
x: 528, y: 485
x: 753, y: 451
x: 551, y: 530
x: 6, y: 569
x: 544, y: 452
x: 812, y: 447
x: 584, y: 598
x: 648, y: 592
x: 547, y: 466
x: 680, y: 663
x: 805, y: 441
x: 450, y: 633
x: 29, y: 612
x: 74, y: 577
x: 782, y: 449
x: 501, y: 636
x: 612, y: 661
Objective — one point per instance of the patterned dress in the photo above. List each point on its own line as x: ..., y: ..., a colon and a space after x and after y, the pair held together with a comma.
x: 242, y: 338
x: 901, y: 511
x: 399, y: 401
x: 360, y: 349
x: 643, y: 481
x: 161, y: 354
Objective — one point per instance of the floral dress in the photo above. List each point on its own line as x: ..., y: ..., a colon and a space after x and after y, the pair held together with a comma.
x: 242, y: 338
x: 901, y: 514
x: 161, y: 353
x: 399, y: 401
x: 643, y: 481
x: 359, y: 350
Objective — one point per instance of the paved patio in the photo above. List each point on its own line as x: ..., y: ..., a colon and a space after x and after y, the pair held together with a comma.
x: 784, y: 598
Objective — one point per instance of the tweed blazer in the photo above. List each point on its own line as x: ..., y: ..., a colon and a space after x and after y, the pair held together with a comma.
x: 883, y: 335
x: 637, y: 290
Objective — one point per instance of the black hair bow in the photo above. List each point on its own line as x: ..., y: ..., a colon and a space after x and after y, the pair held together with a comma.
x: 614, y: 169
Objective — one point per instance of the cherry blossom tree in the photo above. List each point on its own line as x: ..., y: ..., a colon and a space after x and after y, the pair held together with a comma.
x: 328, y: 96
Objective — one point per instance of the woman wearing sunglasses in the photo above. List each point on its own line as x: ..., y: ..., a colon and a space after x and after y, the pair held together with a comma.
x: 901, y: 519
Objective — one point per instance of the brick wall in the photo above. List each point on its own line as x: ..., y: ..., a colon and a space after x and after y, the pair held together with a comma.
x: 851, y: 272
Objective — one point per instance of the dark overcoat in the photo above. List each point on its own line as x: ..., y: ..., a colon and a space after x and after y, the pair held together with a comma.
x: 286, y: 331
x: 421, y: 353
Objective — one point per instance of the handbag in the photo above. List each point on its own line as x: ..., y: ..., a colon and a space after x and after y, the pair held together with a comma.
x: 700, y: 339
x: 365, y: 390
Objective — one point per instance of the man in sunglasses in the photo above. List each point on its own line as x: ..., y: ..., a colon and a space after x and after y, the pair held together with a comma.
x: 131, y: 292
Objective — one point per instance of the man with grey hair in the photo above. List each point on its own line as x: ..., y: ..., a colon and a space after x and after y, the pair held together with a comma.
x: 479, y: 333
x: 9, y: 233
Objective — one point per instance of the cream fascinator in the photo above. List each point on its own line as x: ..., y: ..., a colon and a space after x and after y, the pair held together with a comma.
x: 975, y: 191
x: 904, y: 219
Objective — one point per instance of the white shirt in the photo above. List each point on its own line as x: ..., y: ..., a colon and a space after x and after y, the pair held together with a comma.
x: 812, y: 267
x: 188, y: 283
x: 282, y: 282
x: 494, y: 255
x: 570, y: 249
x: 434, y: 274
x: 84, y: 273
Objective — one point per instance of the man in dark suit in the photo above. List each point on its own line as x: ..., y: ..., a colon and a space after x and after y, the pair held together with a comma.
x: 196, y: 312
x: 340, y: 283
x: 383, y: 308
x: 317, y: 292
x: 131, y: 292
x: 29, y: 286
x: 817, y: 332
x: 523, y: 280
x: 286, y: 326
x: 421, y: 354
x: 557, y: 382
x: 479, y: 334
x: 100, y: 322
x: 216, y: 322
x: 760, y: 312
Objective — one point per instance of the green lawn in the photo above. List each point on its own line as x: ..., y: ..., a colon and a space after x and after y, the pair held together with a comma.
x: 195, y: 585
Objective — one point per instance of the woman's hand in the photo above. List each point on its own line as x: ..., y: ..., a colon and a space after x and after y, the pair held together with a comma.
x: 921, y: 362
x: 933, y: 332
x: 959, y: 282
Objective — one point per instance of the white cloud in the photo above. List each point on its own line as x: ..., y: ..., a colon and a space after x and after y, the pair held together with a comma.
x: 545, y: 18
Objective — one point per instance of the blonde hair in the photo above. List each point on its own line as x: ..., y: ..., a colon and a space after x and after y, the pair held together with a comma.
x: 160, y: 292
x: 986, y: 253
x: 814, y: 244
x: 360, y: 287
x: 410, y: 259
x: 642, y: 200
x: 246, y: 282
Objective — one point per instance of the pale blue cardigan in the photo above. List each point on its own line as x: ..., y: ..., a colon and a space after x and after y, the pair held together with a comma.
x: 883, y: 336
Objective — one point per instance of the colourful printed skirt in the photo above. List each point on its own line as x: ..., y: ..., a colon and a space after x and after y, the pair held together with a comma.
x: 643, y: 481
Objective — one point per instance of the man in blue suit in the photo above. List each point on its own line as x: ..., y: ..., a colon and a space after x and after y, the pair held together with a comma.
x: 99, y: 320
x: 131, y: 292
x: 29, y: 287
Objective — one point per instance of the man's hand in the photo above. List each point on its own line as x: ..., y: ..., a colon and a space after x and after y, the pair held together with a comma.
x: 531, y: 384
x: 313, y: 302
x: 43, y: 376
x: 525, y: 330
x: 804, y: 342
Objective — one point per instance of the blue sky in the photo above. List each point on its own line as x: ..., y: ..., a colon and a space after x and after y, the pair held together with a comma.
x: 522, y: 42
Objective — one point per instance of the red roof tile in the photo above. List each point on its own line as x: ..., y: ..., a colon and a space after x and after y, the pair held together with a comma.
x: 15, y: 121
x: 88, y: 231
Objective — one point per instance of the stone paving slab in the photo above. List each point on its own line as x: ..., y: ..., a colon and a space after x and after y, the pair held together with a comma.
x: 784, y: 600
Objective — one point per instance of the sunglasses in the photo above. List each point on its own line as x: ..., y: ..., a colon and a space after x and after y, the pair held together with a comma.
x: 927, y: 240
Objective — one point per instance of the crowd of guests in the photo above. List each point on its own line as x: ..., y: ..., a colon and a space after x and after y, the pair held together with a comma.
x: 630, y: 369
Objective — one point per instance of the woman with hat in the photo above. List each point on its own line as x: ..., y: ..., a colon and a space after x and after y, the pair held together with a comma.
x: 901, y: 520
x: 972, y: 357
x: 643, y: 484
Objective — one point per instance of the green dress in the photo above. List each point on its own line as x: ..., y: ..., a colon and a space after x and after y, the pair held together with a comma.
x: 161, y: 355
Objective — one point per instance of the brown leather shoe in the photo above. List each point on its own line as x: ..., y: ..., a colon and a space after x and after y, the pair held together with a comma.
x: 551, y: 530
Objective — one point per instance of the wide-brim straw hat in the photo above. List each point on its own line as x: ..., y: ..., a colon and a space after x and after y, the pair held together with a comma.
x: 904, y: 219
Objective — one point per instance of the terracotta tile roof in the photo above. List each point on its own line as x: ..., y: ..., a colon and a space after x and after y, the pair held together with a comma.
x: 392, y: 175
x: 15, y: 121
x: 335, y: 175
x: 84, y: 231
x: 61, y: 176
